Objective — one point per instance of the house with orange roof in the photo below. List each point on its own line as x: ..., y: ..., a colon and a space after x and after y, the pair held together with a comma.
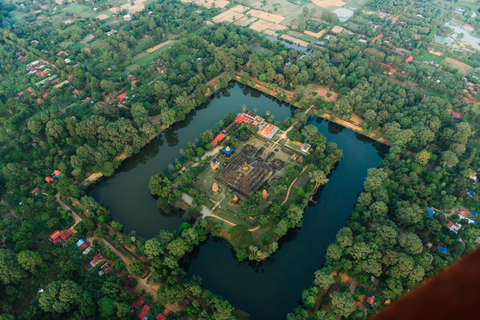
x: 49, y: 179
x: 122, y: 97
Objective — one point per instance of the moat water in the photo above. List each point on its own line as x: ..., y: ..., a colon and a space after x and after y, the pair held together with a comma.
x: 268, y: 289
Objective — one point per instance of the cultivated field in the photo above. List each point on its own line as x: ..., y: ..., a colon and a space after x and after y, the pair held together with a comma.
x: 329, y: 4
x: 102, y: 16
x: 316, y: 35
x: 464, y: 68
x: 208, y: 3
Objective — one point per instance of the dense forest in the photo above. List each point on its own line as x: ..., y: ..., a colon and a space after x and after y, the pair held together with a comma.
x: 45, y: 128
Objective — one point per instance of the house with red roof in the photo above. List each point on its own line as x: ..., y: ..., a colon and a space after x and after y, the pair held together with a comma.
x: 217, y: 139
x: 66, y: 234
x: 45, y: 95
x: 49, y: 179
x: 57, y: 173
x: 76, y: 91
x: 371, y: 301
x: 138, y: 302
x: 143, y: 312
x: 62, y: 52
x: 409, y: 59
x: 453, y: 226
x: 55, y: 236
x: 122, y: 97
x: 161, y: 317
x: 96, y: 259
x: 36, y: 191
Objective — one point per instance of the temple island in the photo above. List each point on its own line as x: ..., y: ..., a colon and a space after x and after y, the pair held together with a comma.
x: 251, y: 177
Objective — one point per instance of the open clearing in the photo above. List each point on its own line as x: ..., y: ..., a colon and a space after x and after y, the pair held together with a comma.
x: 338, y: 29
x: 329, y: 4
x: 228, y: 16
x: 316, y: 35
x: 102, y: 16
x: 260, y: 25
x: 68, y: 21
x: 266, y: 16
x: 138, y: 6
x: 152, y: 49
x: 87, y: 39
x: 464, y: 68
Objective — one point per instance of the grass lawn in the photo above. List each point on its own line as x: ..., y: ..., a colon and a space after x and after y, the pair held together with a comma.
x: 17, y: 15
x: 299, y: 2
x: 143, y: 61
x: 81, y: 10
x: 431, y: 93
x: 181, y: 58
x: 427, y: 56
x: 80, y: 45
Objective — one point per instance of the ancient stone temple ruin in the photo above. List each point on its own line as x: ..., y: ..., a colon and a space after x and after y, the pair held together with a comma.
x: 245, y: 174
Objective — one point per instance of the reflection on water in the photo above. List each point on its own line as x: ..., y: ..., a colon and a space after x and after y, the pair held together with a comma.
x: 271, y: 288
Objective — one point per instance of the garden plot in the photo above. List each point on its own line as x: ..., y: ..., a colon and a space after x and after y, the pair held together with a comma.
x: 295, y: 40
x: 260, y: 25
x: 266, y: 16
x: 138, y: 6
x: 329, y: 4
x: 228, y: 15
x: 464, y: 68
x: 245, y: 21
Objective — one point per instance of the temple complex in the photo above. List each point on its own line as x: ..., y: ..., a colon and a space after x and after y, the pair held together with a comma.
x: 245, y: 174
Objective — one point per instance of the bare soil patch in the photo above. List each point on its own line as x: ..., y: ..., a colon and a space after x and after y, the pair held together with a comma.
x: 266, y: 16
x: 464, y: 68
x: 114, y: 10
x: 138, y: 6
x: 155, y: 48
x: 103, y: 16
x: 316, y: 35
x: 329, y: 4
x: 68, y: 21
x: 228, y: 15
x: 260, y: 25
x: 338, y: 29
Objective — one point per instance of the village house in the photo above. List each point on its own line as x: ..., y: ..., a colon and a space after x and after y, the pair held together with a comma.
x: 143, y: 313
x: 122, y: 97
x: 453, y: 226
x: 36, y: 191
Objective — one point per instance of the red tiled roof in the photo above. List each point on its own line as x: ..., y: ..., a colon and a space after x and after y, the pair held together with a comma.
x: 83, y: 246
x: 57, y: 172
x: 122, y: 96
x: 96, y: 258
x: 371, y: 301
x: 138, y: 302
x: 49, y: 179
x: 160, y: 317
x: 409, y: 59
x: 36, y: 190
x: 392, y: 70
x: 75, y: 91
x: 55, y: 235
x: 450, y: 224
x: 143, y: 312
x: 45, y: 95
x: 66, y: 234
x: 217, y: 139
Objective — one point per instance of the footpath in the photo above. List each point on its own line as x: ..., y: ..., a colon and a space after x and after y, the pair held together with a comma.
x: 141, y: 282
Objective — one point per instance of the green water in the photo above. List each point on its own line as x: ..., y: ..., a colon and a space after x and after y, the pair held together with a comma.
x: 272, y: 288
